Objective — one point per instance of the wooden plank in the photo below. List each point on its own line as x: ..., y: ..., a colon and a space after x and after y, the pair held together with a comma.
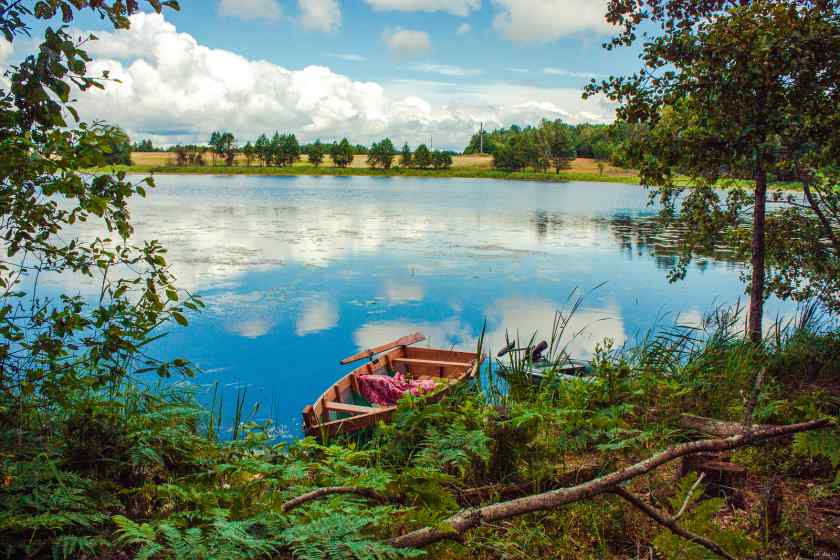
x: 438, y: 380
x: 370, y: 352
x: 349, y: 408
x: 439, y: 354
x: 310, y: 419
x: 436, y: 363
x: 352, y: 424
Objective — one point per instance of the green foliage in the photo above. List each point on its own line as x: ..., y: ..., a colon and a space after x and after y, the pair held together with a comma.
x: 223, y: 144
x: 551, y: 144
x: 144, y: 146
x: 381, y: 154
x: 822, y: 444
x: 406, y: 159
x: 249, y: 152
x: 117, y: 146
x: 441, y: 160
x: 341, y: 153
x: 699, y: 519
x: 336, y: 536
x: 422, y: 157
x: 223, y: 539
x: 316, y: 153
x: 740, y: 90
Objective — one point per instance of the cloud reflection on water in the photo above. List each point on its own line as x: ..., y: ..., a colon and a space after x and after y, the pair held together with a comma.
x: 514, y: 316
x: 318, y: 314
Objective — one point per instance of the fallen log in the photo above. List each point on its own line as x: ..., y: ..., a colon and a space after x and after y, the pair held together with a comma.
x: 712, y: 427
x: 455, y: 526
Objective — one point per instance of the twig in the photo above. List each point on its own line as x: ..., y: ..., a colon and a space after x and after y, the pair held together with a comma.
x: 332, y: 490
x: 465, y: 520
x: 670, y: 523
x: 688, y: 497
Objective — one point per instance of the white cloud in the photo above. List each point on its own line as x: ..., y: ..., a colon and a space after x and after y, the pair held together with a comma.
x: 251, y: 9
x: 173, y: 89
x: 463, y: 29
x: 6, y: 50
x: 526, y: 21
x: 455, y: 7
x: 405, y: 43
x: 350, y: 57
x: 447, y: 70
x: 320, y: 15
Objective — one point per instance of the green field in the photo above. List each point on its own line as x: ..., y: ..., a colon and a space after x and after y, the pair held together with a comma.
x: 455, y: 172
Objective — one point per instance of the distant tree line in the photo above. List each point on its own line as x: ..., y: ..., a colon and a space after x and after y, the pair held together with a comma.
x: 283, y: 150
x: 551, y: 144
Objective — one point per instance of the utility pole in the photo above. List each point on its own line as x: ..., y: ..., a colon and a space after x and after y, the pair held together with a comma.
x: 481, y: 137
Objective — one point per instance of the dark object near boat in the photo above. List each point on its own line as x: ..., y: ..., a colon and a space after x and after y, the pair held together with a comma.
x: 536, y: 355
x: 509, y: 348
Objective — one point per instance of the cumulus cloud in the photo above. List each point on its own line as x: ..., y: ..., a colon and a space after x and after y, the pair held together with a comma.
x: 320, y: 15
x: 173, y: 89
x: 405, y: 43
x: 447, y: 70
x: 526, y: 21
x: 463, y: 29
x: 6, y: 51
x: 251, y: 9
x: 455, y: 7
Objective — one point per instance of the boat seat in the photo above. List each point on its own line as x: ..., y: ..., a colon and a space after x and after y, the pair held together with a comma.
x: 438, y: 380
x: 437, y: 363
x: 348, y: 408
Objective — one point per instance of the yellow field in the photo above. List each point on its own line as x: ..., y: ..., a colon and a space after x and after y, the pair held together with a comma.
x: 581, y: 165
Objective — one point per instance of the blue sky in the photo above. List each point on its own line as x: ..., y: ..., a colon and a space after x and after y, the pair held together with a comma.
x: 409, y: 69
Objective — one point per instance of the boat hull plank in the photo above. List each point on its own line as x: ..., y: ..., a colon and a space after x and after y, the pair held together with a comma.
x: 342, y: 410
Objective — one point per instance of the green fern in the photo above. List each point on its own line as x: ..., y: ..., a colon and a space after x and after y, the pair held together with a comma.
x: 699, y: 519
x: 820, y: 443
x: 339, y: 536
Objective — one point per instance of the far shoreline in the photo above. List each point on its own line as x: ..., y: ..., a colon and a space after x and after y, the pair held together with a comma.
x: 310, y: 170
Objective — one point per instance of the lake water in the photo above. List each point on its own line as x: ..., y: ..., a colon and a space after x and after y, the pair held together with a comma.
x: 299, y: 272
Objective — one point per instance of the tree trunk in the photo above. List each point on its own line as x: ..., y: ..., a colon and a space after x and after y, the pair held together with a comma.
x: 756, y: 315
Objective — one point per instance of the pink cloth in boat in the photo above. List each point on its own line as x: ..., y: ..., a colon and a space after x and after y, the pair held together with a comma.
x: 387, y: 390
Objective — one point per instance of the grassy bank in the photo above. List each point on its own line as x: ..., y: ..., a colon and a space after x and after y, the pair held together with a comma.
x: 145, y: 475
x: 454, y: 172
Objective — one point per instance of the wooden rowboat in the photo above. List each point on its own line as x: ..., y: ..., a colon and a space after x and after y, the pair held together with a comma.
x: 342, y: 409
